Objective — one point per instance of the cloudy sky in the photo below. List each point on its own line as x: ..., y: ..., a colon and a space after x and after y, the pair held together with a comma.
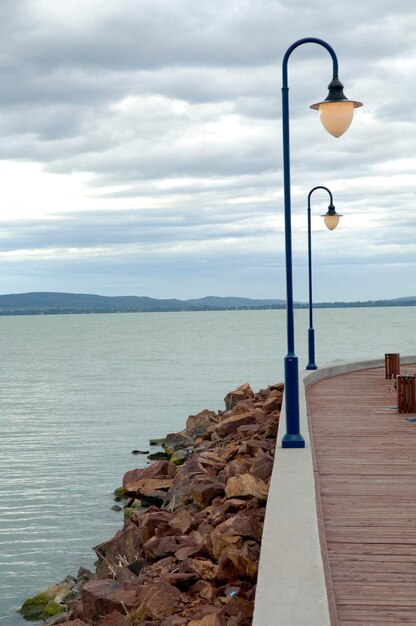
x: 140, y: 147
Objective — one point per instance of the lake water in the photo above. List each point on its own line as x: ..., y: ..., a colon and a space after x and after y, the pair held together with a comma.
x: 79, y: 392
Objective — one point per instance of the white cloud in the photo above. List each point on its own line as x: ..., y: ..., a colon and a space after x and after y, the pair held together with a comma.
x: 150, y: 133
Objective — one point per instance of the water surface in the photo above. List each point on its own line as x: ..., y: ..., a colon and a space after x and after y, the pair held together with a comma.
x: 79, y: 392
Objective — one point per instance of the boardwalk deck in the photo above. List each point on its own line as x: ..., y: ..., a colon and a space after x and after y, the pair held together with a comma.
x: 365, y: 473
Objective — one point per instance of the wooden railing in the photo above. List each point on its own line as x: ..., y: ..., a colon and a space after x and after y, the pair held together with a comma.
x: 406, y: 394
x: 392, y: 365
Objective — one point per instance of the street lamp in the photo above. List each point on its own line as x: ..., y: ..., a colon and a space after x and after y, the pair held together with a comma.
x: 331, y: 219
x: 336, y: 113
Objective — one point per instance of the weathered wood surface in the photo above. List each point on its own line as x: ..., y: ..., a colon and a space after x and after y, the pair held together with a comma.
x: 365, y: 470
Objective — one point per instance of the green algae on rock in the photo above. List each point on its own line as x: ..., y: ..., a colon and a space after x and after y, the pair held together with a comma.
x: 52, y: 608
x: 35, y: 605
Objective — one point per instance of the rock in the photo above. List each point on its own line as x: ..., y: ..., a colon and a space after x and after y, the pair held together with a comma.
x: 140, y: 451
x: 159, y: 600
x: 158, y: 456
x: 59, y: 618
x: 150, y: 488
x: 159, y: 469
x: 233, y: 422
x: 58, y: 592
x: 182, y: 580
x: 158, y: 547
x: 238, y: 563
x: 238, y: 606
x: 137, y: 566
x: 115, y: 618
x: 125, y: 575
x: 217, y: 543
x: 117, y: 508
x: 234, y: 397
x: 270, y: 405
x: 206, y: 569
x: 48, y: 603
x: 52, y: 609
x: 177, y: 441
x: 241, y: 525
x: 100, y: 597
x: 246, y: 485
x: 213, y: 619
x: 83, y: 572
x: 34, y: 606
x: 71, y: 596
x: 174, y: 620
x: 182, y: 522
x: 125, y: 547
x: 279, y: 387
x: 204, y: 489
x: 188, y: 555
x: 154, y: 520
x: 180, y: 456
x: 157, y: 442
x: 196, y: 425
x: 235, y: 467
x: 202, y: 462
x: 204, y: 590
x: 262, y: 466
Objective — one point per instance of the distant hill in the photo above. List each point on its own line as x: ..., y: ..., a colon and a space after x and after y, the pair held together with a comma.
x: 38, y: 303
x: 55, y: 302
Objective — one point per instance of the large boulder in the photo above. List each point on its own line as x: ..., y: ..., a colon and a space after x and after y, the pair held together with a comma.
x: 240, y: 394
x: 231, y: 424
x: 205, y: 489
x: 246, y: 485
x: 159, y: 469
x: 100, y: 597
x: 177, y: 441
x: 159, y: 600
x: 237, y: 563
x: 124, y: 548
x: 196, y: 425
x: 147, y: 480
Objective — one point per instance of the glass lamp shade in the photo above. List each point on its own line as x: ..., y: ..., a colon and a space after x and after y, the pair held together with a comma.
x: 336, y: 116
x: 331, y: 221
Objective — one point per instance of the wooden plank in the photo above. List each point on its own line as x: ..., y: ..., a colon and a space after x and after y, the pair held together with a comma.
x: 365, y: 470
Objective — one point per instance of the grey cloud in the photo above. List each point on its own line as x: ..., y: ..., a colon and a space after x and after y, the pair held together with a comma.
x: 69, y: 70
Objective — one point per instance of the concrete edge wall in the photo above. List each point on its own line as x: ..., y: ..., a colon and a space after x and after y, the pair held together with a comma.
x: 291, y: 589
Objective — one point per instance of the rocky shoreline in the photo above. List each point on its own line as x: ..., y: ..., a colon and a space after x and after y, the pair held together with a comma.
x: 189, y: 549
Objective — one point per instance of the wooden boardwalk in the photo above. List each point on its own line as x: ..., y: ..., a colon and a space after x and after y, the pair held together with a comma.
x: 365, y: 471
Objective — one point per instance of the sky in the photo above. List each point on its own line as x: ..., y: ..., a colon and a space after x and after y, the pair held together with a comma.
x: 141, y: 148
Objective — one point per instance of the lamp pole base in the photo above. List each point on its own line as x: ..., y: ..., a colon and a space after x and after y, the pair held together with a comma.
x: 292, y: 438
x: 311, y: 346
x: 293, y: 441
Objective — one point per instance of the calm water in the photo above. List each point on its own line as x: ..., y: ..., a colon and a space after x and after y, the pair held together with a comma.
x: 78, y: 393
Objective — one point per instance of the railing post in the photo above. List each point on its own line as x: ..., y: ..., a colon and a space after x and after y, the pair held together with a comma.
x: 392, y: 364
x: 406, y: 394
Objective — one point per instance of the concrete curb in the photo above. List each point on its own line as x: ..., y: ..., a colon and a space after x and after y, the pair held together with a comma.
x: 291, y: 588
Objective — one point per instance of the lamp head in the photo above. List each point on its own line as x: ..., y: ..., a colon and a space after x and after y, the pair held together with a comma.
x: 336, y: 111
x: 331, y: 217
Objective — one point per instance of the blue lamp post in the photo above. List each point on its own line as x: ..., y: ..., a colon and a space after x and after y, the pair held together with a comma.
x: 331, y: 218
x: 336, y: 113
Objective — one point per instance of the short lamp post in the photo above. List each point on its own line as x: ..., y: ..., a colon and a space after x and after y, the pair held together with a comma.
x: 331, y: 219
x: 336, y: 113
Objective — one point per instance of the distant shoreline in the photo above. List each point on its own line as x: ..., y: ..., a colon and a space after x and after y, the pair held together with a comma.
x: 104, y: 310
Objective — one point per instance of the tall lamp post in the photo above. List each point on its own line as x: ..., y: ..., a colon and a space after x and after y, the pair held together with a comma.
x: 331, y: 219
x: 336, y: 113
